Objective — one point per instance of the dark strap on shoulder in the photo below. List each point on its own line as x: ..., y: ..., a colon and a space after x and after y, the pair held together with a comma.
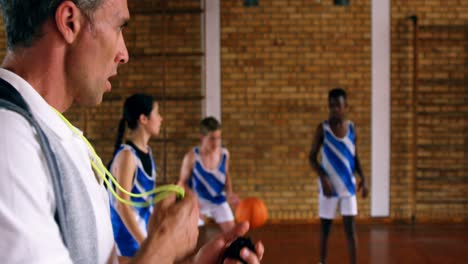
x: 10, y: 94
x: 11, y: 99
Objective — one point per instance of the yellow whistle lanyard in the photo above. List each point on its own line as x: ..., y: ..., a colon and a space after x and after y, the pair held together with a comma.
x: 161, y: 192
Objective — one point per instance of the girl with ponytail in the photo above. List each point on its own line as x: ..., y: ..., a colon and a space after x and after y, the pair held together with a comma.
x: 135, y: 170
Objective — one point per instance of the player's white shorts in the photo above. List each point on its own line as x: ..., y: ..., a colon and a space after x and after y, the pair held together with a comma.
x: 328, y: 206
x: 220, y: 213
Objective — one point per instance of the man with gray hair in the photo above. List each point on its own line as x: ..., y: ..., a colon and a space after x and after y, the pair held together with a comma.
x: 53, y: 207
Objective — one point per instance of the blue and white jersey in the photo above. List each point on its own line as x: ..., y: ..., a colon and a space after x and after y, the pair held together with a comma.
x: 209, y: 184
x: 338, y: 160
x: 142, y: 182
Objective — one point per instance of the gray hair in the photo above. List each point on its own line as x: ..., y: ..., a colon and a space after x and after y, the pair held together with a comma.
x: 23, y: 19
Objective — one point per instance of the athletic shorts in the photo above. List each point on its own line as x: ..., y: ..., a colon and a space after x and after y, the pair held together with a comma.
x: 219, y: 212
x: 328, y: 206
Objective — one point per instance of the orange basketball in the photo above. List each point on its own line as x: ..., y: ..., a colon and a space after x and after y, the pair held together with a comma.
x: 253, y: 210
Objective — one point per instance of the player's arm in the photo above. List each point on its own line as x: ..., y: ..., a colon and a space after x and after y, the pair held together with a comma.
x: 123, y: 260
x: 228, y: 175
x: 186, y: 168
x: 313, y: 155
x: 362, y: 186
x: 233, y: 199
x: 124, y: 171
x: 314, y: 150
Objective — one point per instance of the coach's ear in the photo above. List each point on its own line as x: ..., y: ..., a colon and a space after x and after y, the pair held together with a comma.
x: 68, y: 18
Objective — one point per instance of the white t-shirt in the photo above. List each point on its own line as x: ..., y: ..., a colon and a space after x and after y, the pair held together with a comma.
x: 28, y: 231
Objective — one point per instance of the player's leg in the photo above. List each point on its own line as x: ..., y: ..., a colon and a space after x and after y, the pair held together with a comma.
x: 327, y: 211
x: 349, y: 211
x: 223, y: 216
x: 205, y: 209
x: 325, y: 228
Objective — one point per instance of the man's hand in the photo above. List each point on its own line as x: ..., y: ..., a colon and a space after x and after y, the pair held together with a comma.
x: 212, y: 252
x: 172, y: 231
x: 362, y: 186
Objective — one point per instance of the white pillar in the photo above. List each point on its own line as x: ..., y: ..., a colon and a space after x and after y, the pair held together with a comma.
x: 380, y: 146
x: 212, y: 66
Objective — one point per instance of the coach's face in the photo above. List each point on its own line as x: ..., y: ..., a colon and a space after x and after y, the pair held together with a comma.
x: 98, y: 51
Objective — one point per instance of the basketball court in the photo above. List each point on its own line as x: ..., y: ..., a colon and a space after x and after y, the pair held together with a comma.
x: 378, y: 243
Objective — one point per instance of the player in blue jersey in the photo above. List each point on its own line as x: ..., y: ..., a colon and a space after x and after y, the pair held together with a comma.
x: 205, y: 169
x: 134, y: 167
x: 336, y: 137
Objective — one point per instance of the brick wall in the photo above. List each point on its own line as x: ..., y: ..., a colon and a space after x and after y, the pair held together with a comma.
x: 441, y: 175
x: 278, y: 62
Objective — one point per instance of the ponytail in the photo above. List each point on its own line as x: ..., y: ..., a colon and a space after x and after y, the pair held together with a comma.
x: 133, y: 108
x: 119, y: 139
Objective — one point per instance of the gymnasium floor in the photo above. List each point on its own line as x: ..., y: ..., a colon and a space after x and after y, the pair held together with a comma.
x: 378, y: 243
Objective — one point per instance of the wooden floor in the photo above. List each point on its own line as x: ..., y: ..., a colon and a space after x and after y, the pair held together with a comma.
x: 378, y: 243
